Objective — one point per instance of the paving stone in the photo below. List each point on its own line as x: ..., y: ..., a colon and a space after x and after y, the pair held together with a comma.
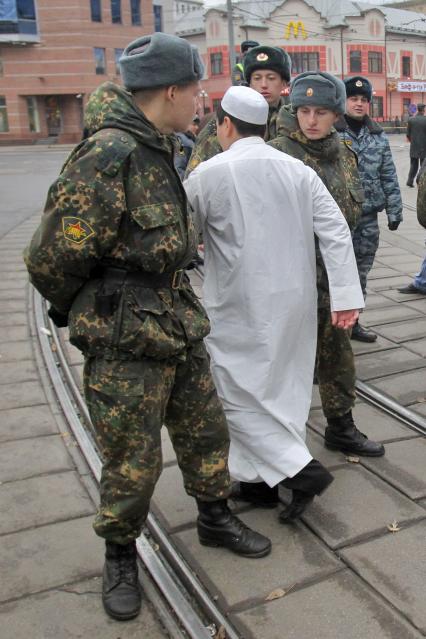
x: 174, y: 507
x: 13, y: 319
x: 315, y: 443
x: 403, y: 331
x: 74, y: 612
x: 388, y: 314
x: 372, y: 421
x: 13, y: 294
x: 19, y: 423
x: 316, y: 399
x: 24, y: 503
x: 383, y: 363
x: 13, y: 333
x: 389, y: 251
x: 169, y: 455
x: 417, y: 346
x: 384, y: 283
x: 15, y: 284
x: 49, y: 557
x: 419, y: 408
x: 396, y: 296
x: 24, y: 394
x: 403, y: 466
x: 340, y: 606
x: 357, y: 505
x: 380, y: 344
x: 297, y: 556
x: 13, y: 306
x: 15, y: 351
x: 395, y: 565
x: 409, y: 266
x: 28, y: 457
x: 377, y: 300
x: 382, y: 271
x: 17, y: 372
x: 418, y: 304
x: 396, y: 260
x: 405, y: 388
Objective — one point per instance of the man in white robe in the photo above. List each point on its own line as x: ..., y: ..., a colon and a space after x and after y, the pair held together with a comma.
x: 258, y: 210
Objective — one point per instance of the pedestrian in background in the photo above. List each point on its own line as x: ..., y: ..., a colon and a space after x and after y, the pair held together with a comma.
x: 378, y: 176
x: 305, y: 131
x: 238, y: 78
x: 110, y: 255
x: 418, y: 285
x: 187, y: 142
x: 416, y: 135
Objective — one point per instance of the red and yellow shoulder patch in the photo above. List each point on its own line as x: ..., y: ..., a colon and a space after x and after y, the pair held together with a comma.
x: 76, y: 230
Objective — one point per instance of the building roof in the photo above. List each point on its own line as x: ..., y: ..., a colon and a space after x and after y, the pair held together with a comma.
x: 190, y: 23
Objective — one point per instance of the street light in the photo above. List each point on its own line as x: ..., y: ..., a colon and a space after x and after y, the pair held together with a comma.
x: 204, y: 95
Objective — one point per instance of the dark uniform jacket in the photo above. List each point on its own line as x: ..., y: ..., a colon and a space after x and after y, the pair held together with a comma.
x: 421, y: 196
x: 336, y: 165
x: 115, y: 226
x: 416, y: 133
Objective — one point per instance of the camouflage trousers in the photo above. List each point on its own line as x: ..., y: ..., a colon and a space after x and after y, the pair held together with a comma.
x: 335, y: 367
x: 129, y: 401
x: 365, y: 240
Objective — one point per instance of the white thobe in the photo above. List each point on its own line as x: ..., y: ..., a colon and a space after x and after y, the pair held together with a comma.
x: 258, y: 210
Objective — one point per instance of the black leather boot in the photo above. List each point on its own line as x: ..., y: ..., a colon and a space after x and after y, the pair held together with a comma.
x: 121, y: 594
x: 258, y: 494
x: 312, y: 480
x: 360, y: 334
x: 342, y: 434
x: 217, y: 526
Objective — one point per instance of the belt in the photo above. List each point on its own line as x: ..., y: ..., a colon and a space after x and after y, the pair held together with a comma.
x: 143, y: 278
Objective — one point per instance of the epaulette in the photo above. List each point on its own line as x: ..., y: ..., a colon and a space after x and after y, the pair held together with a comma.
x: 113, y: 148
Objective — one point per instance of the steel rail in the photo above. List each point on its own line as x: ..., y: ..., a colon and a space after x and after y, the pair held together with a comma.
x: 171, y: 587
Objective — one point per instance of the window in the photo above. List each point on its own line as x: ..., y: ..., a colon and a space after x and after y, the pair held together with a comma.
x: 116, y: 11
x: 374, y: 62
x: 117, y: 55
x: 355, y: 61
x: 96, y: 10
x: 135, y: 10
x: 376, y: 107
x: 216, y: 63
x: 4, y: 124
x: 406, y: 66
x: 99, y: 54
x: 301, y: 61
x: 158, y: 17
x: 33, y: 118
x: 26, y: 9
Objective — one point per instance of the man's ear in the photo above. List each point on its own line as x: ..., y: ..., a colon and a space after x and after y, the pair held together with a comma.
x: 171, y: 92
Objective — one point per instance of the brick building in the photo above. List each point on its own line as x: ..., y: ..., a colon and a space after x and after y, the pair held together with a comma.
x: 53, y: 53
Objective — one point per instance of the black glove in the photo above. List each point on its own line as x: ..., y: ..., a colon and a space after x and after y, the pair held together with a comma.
x: 392, y: 226
x: 59, y: 319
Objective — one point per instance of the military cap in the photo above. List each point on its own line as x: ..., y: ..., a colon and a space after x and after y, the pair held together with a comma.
x: 160, y: 60
x: 272, y: 58
x: 420, y: 107
x: 358, y: 85
x: 318, y: 89
x: 248, y: 44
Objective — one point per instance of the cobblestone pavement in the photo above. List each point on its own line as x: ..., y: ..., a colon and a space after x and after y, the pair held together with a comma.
x: 340, y: 572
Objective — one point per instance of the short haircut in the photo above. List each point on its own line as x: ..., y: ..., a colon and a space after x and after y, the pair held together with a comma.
x: 246, y: 129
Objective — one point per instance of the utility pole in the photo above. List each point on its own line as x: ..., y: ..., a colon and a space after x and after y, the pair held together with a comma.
x: 231, y: 45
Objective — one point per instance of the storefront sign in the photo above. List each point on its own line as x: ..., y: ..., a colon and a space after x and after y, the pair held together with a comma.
x: 411, y: 87
x: 295, y: 27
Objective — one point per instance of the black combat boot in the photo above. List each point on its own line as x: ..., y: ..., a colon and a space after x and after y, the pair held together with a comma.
x: 121, y: 594
x: 360, y: 334
x: 217, y: 526
x: 342, y: 434
x: 312, y: 480
x: 258, y: 494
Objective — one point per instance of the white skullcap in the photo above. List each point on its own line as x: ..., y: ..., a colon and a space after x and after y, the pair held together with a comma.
x: 245, y: 104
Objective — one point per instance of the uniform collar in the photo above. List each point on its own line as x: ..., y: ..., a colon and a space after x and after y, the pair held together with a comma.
x: 253, y: 139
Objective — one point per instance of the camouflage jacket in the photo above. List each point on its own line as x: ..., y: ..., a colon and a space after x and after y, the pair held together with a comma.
x: 376, y: 168
x: 421, y: 196
x: 335, y: 164
x: 207, y: 144
x: 119, y: 203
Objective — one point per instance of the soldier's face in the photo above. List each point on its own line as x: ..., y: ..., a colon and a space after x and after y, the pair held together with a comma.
x: 315, y: 122
x: 269, y: 84
x: 184, y: 106
x: 357, y: 106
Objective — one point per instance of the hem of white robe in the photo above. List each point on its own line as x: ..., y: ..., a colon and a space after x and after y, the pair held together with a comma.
x: 255, y: 471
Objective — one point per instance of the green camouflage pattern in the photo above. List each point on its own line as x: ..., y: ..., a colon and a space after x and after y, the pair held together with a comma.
x: 118, y: 202
x: 144, y: 395
x: 421, y: 196
x: 207, y: 144
x: 336, y: 165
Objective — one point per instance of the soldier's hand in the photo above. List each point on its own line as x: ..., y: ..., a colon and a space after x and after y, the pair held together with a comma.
x: 344, y: 319
x: 392, y: 226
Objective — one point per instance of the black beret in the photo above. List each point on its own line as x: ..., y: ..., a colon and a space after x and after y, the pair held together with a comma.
x: 272, y: 58
x: 358, y: 85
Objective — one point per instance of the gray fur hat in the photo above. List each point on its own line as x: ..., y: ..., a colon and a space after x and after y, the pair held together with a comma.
x: 160, y: 60
x: 318, y: 89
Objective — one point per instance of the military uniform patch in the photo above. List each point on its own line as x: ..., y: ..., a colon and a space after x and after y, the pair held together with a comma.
x: 262, y: 57
x: 76, y: 230
x: 309, y: 92
x: 358, y: 83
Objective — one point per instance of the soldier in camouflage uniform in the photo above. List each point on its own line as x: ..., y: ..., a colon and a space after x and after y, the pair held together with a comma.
x: 378, y: 177
x: 305, y: 132
x: 110, y: 255
x: 267, y: 71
